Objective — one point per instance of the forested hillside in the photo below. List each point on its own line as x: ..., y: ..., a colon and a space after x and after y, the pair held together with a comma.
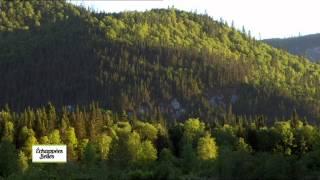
x: 125, y: 90
x: 307, y: 46
x: 162, y: 61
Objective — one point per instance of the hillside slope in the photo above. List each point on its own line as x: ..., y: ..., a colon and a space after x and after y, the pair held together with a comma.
x: 308, y: 46
x: 165, y: 61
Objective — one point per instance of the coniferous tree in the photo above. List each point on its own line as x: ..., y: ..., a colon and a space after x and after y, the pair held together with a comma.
x: 104, y: 145
x: 22, y: 161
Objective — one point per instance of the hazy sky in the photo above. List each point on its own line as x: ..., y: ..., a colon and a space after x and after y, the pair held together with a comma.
x: 270, y: 18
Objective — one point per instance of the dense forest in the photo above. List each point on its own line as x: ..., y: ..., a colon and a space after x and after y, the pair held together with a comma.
x: 105, y: 145
x: 171, y: 62
x: 161, y: 94
x: 307, y: 46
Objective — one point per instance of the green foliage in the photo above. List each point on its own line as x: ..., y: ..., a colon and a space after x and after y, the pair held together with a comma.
x: 166, y: 169
x: 71, y: 141
x: 54, y: 137
x: 82, y: 147
x: 266, y: 139
x: 285, y: 149
x: 90, y: 155
x: 71, y: 137
x: 104, y: 144
x: 29, y: 141
x: 305, y: 138
x: 153, y: 57
x: 243, y: 146
x: 162, y: 65
x: 147, y: 152
x: 189, y: 158
x: 22, y: 161
x: 133, y: 146
x: 44, y: 140
x: 122, y: 128
x: 235, y: 164
x: 308, y: 164
x: 207, y: 148
x: 225, y: 135
x: 7, y: 127
x: 285, y: 135
x: 8, y: 158
x: 147, y: 131
x: 273, y: 167
x: 193, y: 129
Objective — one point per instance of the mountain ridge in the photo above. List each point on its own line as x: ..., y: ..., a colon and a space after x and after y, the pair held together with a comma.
x: 140, y: 60
x: 307, y: 46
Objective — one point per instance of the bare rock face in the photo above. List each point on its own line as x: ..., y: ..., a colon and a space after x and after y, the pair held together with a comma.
x: 234, y: 98
x: 177, y: 109
x: 221, y: 100
x: 143, y: 109
x: 175, y: 104
x: 218, y: 101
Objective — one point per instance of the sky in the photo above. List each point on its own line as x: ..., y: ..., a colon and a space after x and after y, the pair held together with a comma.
x: 264, y: 18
